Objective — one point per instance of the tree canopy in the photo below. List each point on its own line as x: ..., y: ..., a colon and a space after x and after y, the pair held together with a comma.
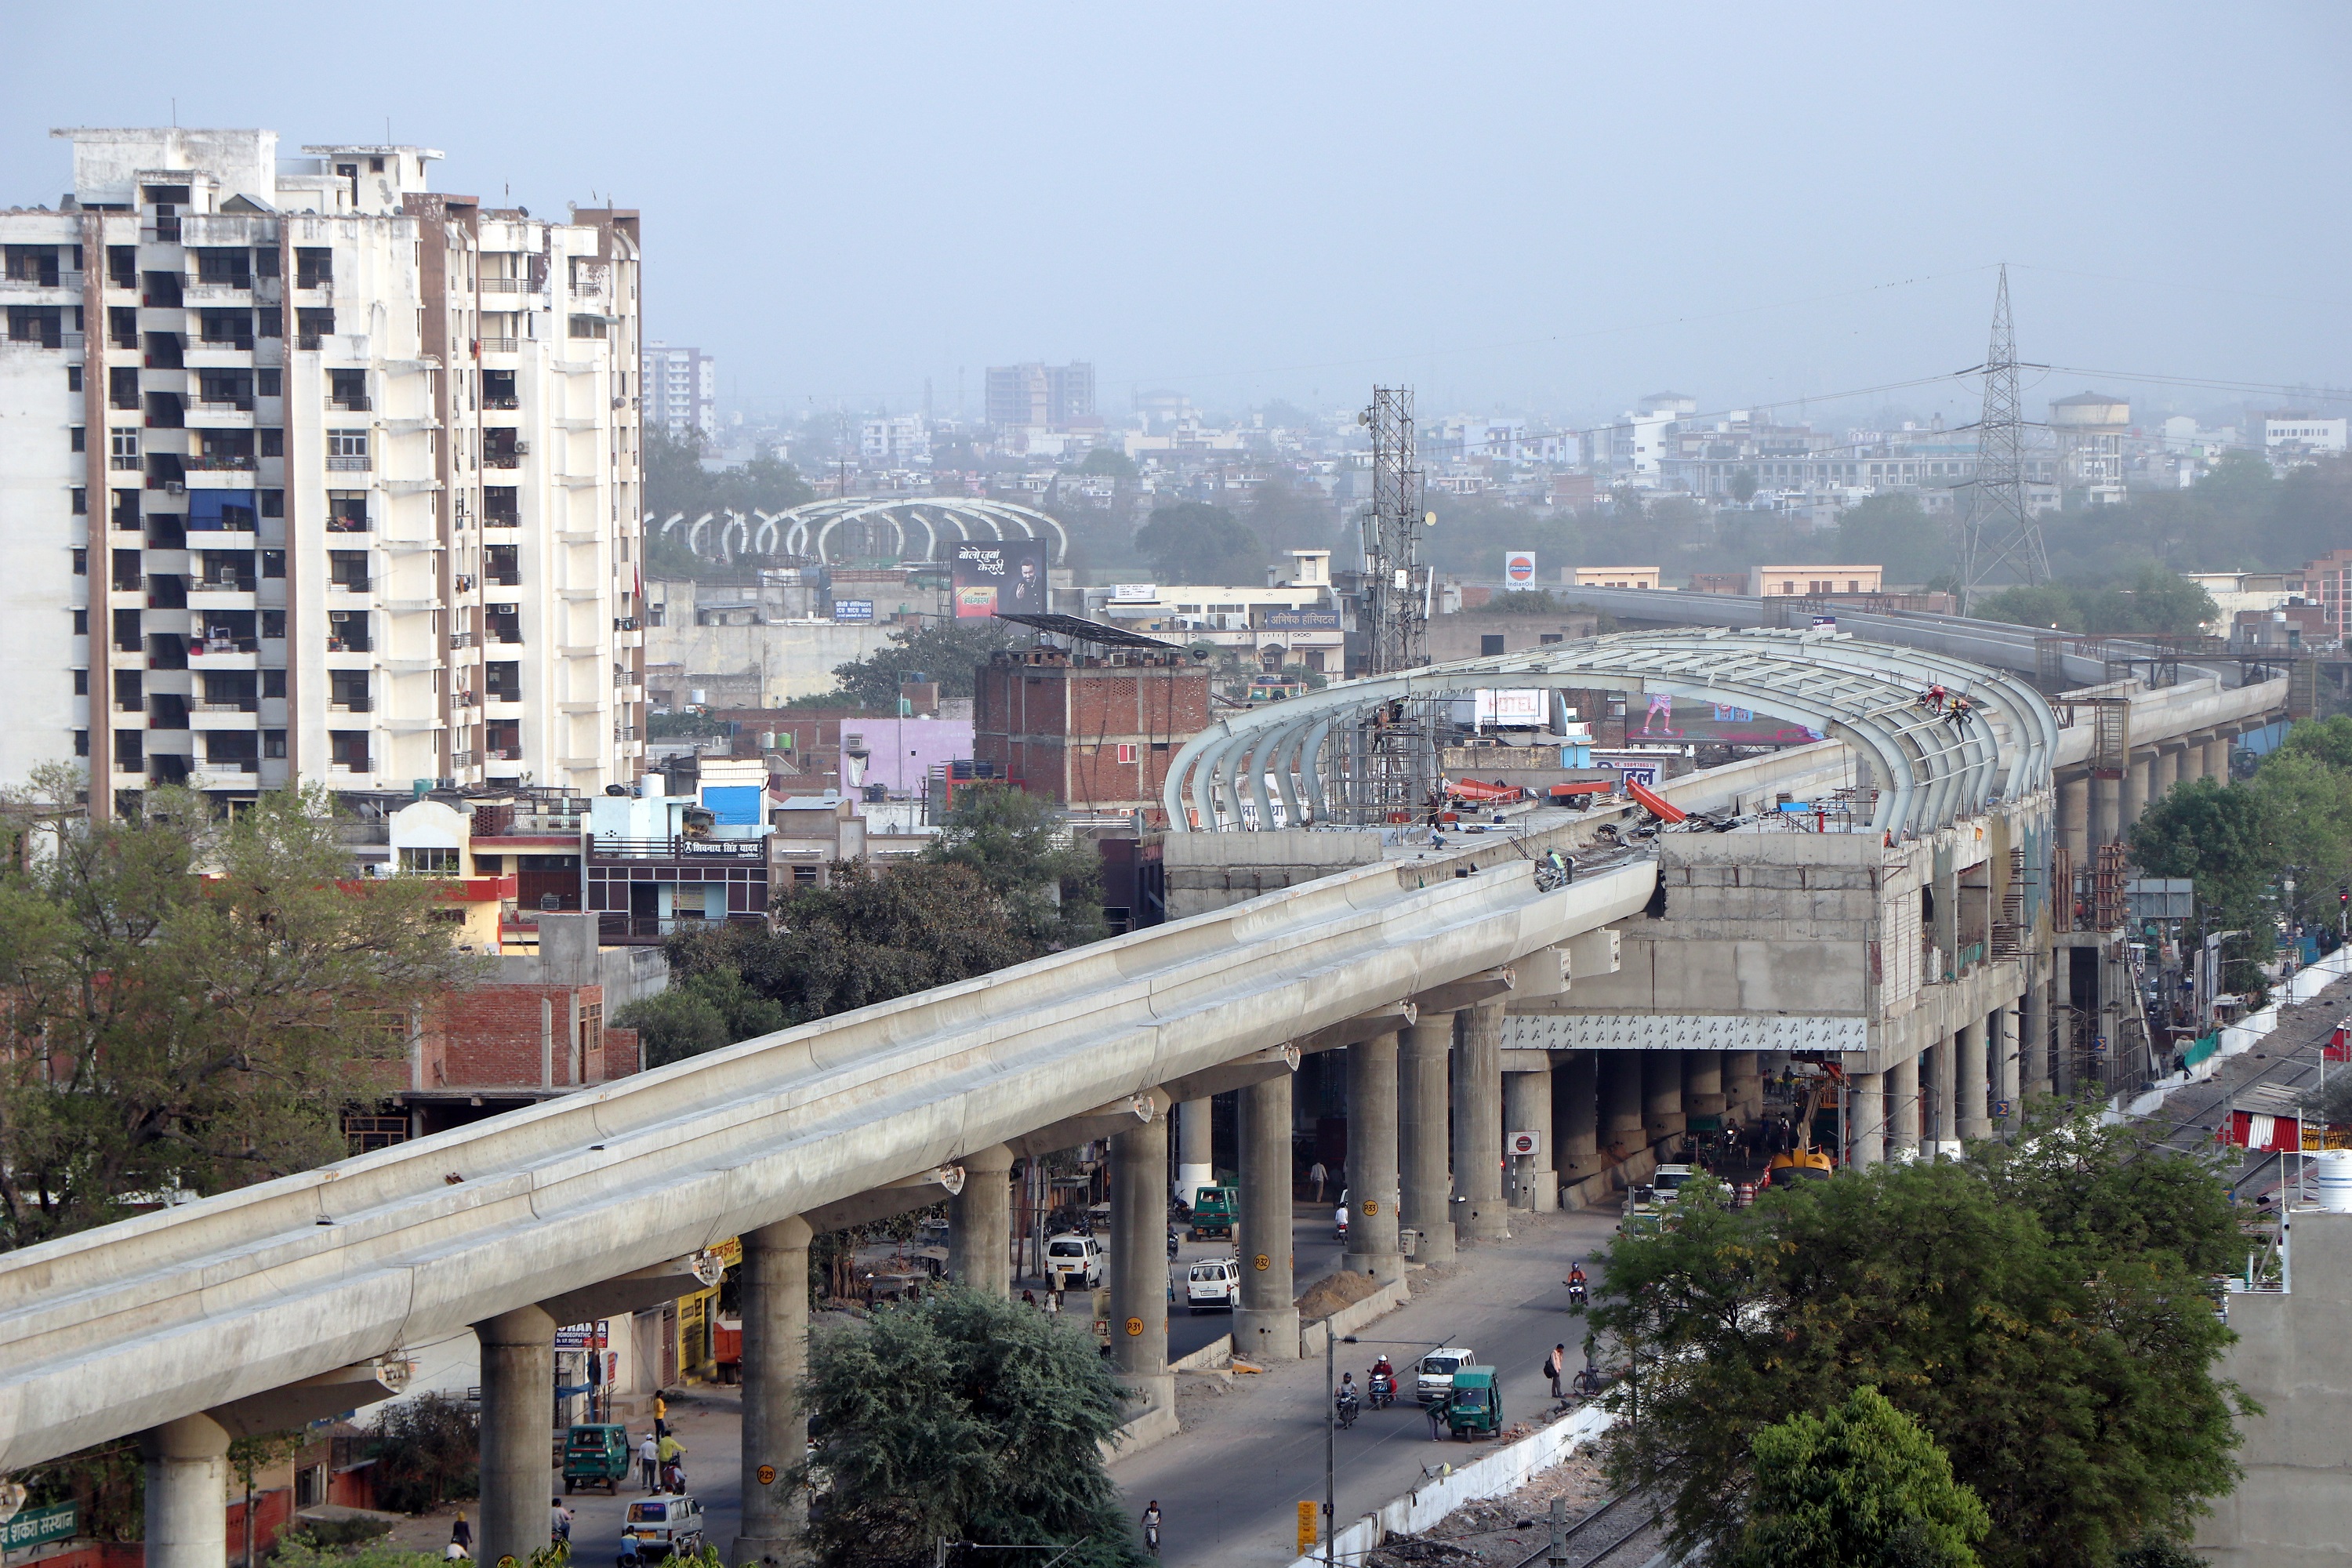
x: 947, y: 651
x: 207, y: 996
x: 963, y: 1416
x: 2238, y: 840
x: 1190, y: 542
x: 2151, y: 600
x: 701, y: 1012
x: 676, y: 482
x: 994, y: 890
x: 1859, y: 1486
x: 2040, y: 1310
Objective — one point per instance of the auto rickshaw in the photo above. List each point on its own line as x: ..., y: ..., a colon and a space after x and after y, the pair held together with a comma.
x: 596, y: 1456
x: 1474, y: 1408
x: 1212, y: 1214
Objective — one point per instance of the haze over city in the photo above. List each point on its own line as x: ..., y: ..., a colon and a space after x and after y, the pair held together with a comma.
x: 1539, y: 210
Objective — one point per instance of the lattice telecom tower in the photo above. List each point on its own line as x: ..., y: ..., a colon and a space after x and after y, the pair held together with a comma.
x: 2000, y: 541
x: 1396, y: 584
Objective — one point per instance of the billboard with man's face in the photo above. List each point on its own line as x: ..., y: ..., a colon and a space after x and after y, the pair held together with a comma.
x: 998, y: 577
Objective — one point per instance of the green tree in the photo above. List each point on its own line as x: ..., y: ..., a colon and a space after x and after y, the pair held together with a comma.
x: 208, y: 996
x: 2067, y: 1371
x: 1014, y: 842
x: 1895, y: 533
x: 676, y: 484
x: 1743, y: 486
x: 700, y: 1012
x: 1860, y: 1486
x: 1190, y: 542
x: 1109, y: 461
x: 427, y: 1451
x: 965, y: 1418
x: 945, y: 651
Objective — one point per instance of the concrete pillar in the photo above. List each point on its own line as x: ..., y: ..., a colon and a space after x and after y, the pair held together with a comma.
x: 1902, y: 1101
x: 1576, y: 1114
x: 1661, y: 1094
x: 2107, y: 805
x: 1944, y: 1097
x: 2136, y: 791
x: 1266, y: 1326
x: 2061, y: 1020
x: 773, y: 1288
x: 2168, y: 769
x: 1478, y: 1125
x: 1527, y: 1108
x: 2217, y: 758
x: 1866, y: 1118
x: 1195, y: 1166
x: 2033, y: 1049
x: 980, y: 1222
x: 1621, y: 1101
x: 1139, y: 1262
x: 187, y: 1486
x: 516, y: 1433
x: 2074, y: 816
x: 1703, y: 1084
x: 1425, y: 1175
x: 1972, y: 1085
x: 1743, y: 1084
x: 1373, y: 1159
x: 2192, y: 762
x: 2008, y: 1074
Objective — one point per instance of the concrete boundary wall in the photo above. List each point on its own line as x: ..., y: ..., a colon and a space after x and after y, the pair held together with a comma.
x: 1499, y: 1474
x: 1354, y: 1316
x: 134, y: 1324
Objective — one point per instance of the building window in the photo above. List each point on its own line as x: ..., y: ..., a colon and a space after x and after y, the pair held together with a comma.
x: 1127, y: 753
x: 78, y: 438
x: 273, y: 743
x: 81, y: 683
x: 441, y: 862
x: 81, y: 561
x: 82, y: 742
x: 347, y: 444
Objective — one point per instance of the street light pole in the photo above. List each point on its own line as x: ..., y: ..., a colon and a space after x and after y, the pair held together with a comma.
x: 1330, y: 1444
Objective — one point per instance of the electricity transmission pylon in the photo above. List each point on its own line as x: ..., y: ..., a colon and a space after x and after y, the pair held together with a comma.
x: 1396, y: 583
x: 2000, y: 541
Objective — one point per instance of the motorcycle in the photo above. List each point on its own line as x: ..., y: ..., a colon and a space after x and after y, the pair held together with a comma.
x: 1345, y: 1402
x: 1383, y: 1390
x: 1576, y: 1296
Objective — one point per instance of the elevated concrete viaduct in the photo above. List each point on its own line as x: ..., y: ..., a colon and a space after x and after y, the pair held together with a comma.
x: 1649, y: 995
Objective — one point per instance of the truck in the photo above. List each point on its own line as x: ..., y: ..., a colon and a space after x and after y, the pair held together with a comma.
x: 1212, y: 1214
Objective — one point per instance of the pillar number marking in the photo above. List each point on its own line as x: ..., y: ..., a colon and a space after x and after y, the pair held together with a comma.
x: 767, y: 1474
x: 1134, y: 1326
x: 1264, y: 1263
x: 1371, y: 1207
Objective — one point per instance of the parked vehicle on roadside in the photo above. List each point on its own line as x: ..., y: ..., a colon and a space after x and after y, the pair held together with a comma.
x: 1214, y: 1286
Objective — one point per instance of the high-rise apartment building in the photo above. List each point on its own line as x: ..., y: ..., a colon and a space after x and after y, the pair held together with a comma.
x: 682, y: 392
x: 311, y: 474
x: 1040, y: 396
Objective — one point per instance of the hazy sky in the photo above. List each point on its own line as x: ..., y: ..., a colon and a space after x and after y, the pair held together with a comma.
x: 1550, y: 208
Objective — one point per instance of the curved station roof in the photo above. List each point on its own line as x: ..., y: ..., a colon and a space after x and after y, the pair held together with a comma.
x: 1930, y: 765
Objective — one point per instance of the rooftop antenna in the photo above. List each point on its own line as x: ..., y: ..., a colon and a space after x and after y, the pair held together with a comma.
x: 2001, y: 541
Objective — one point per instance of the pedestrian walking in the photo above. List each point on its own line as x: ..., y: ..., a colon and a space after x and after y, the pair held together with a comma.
x: 1028, y: 1297
x: 649, y: 1462
x: 661, y: 1415
x: 1318, y: 1175
x: 461, y: 1541
x: 1435, y: 1410
x: 1554, y: 1364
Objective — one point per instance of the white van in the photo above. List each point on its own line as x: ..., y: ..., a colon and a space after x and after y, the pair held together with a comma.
x: 1214, y: 1286
x: 1073, y: 1262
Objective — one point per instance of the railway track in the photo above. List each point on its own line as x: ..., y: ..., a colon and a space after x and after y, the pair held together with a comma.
x: 1591, y: 1541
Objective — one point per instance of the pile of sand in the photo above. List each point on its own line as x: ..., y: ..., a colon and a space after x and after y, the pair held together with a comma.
x: 1333, y: 1291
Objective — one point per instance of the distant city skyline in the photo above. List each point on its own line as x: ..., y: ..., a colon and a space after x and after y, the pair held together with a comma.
x: 1534, y: 210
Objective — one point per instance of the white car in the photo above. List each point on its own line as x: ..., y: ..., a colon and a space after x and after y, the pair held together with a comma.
x: 1435, y: 1381
x: 1073, y: 1262
x: 1670, y: 1180
x: 1214, y: 1286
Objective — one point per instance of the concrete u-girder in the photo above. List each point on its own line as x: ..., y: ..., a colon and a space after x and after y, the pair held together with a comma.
x: 133, y: 1326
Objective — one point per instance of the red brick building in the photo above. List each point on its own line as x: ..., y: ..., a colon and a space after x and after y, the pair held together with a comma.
x: 2328, y: 582
x: 1091, y: 732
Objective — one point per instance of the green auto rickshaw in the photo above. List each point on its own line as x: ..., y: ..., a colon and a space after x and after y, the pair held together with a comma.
x: 1474, y: 1407
x: 1213, y: 1213
x: 596, y: 1456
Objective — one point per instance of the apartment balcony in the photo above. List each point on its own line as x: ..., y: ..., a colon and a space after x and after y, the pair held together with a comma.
x: 504, y: 285
x: 499, y: 345
x: 220, y: 463
x: 506, y: 403
x: 31, y: 286
x: 356, y: 705
x: 677, y: 849
x: 230, y: 291
x: 355, y: 403
x: 362, y: 583
x: 502, y: 459
x: 216, y: 596
x: 241, y: 775
x: 230, y: 716
x: 461, y: 640
x: 641, y: 930
x: 355, y: 770
x: 219, y: 413
x: 359, y: 465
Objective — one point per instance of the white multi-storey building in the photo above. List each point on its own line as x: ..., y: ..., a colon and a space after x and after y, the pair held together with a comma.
x: 682, y: 392
x: 310, y: 474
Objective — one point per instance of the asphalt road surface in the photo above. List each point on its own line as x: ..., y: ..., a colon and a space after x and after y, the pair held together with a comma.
x: 1230, y: 1483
